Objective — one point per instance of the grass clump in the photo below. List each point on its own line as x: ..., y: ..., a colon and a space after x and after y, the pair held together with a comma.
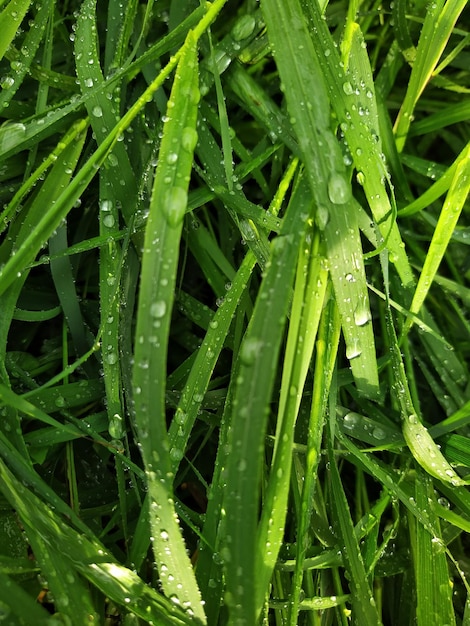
x: 233, y: 336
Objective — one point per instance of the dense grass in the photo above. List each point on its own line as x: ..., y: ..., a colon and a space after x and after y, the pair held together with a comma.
x: 234, y: 336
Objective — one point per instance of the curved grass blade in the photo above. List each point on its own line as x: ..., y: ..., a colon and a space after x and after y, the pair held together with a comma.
x: 451, y: 210
x: 159, y: 266
x: 78, y: 555
x: 437, y: 29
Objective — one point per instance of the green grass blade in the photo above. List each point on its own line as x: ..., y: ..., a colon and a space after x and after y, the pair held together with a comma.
x: 335, y: 208
x: 437, y: 29
x: 364, y: 610
x: 159, y: 267
x: 10, y: 20
x: 433, y: 584
x: 451, y: 210
x: 255, y: 371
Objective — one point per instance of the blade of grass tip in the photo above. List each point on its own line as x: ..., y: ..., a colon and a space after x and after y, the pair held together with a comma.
x: 451, y: 210
x: 433, y: 584
x: 10, y: 20
x: 336, y: 210
x: 437, y: 28
x: 159, y: 266
x: 421, y: 444
x: 364, y: 610
x: 82, y: 553
x: 255, y: 371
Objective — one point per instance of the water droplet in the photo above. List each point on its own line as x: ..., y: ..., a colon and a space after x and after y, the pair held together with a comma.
x: 171, y: 158
x: 158, y: 309
x: 115, y: 426
x: 97, y: 111
x: 347, y: 88
x: 378, y: 433
x: 88, y: 82
x: 111, y: 358
x: 362, y: 314
x: 175, y: 206
x: 353, y: 349
x: 250, y: 350
x: 322, y: 217
x: 188, y: 139
x: 6, y: 82
x: 339, y: 190
x: 108, y: 221
x: 176, y: 454
x: 351, y: 420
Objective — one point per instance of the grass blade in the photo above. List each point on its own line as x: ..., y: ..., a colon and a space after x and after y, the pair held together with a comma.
x: 159, y: 266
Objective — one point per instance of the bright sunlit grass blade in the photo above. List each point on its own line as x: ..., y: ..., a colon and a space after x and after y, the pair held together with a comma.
x: 10, y: 20
x: 437, y: 29
x: 451, y: 210
x: 159, y: 266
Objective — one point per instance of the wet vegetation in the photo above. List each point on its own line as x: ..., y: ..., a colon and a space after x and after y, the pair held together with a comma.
x: 234, y: 334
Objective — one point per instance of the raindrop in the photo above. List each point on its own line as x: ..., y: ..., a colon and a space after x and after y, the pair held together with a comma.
x: 175, y: 206
x: 347, y: 88
x: 353, y: 350
x: 171, y: 158
x: 188, y: 139
x: 108, y: 220
x: 97, y: 111
x: 6, y: 82
x: 339, y: 190
x: 322, y: 217
x: 158, y: 309
x: 250, y: 350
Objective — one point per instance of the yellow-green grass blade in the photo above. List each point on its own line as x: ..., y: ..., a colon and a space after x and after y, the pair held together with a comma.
x: 159, y: 266
x: 353, y: 98
x: 307, y: 306
x: 336, y: 210
x: 421, y: 444
x: 437, y: 28
x: 451, y: 210
x: 10, y: 20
